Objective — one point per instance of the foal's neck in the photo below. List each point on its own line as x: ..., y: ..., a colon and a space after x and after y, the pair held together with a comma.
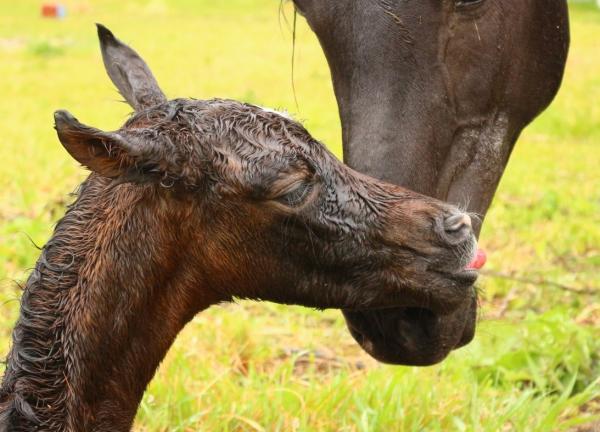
x: 106, y: 299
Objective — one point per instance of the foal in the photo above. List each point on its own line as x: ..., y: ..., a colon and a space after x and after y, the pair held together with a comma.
x: 192, y: 203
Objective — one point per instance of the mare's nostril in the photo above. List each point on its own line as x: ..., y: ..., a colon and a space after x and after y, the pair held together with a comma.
x: 457, y: 222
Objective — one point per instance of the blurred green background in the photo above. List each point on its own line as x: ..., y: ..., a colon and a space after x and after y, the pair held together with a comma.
x: 535, y: 363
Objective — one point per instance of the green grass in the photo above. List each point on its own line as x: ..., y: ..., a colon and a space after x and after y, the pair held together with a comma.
x: 535, y: 362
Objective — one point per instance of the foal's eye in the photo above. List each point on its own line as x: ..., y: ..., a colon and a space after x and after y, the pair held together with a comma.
x: 295, y: 195
x: 467, y: 3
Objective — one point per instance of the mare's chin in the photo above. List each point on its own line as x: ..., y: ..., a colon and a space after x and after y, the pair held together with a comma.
x: 412, y: 336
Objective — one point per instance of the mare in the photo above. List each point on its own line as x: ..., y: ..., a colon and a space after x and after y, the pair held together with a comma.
x: 432, y: 96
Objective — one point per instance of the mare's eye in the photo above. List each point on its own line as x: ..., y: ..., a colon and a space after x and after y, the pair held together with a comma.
x: 295, y: 195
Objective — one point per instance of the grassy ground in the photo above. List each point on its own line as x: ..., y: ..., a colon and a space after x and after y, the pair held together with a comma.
x: 535, y: 362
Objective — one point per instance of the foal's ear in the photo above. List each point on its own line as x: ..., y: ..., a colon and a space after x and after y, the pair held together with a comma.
x: 129, y: 72
x: 106, y: 153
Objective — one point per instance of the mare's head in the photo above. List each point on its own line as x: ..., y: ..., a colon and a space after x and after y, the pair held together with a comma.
x: 432, y: 96
x: 266, y: 212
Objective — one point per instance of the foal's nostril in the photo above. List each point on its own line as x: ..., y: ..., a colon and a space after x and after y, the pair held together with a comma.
x: 457, y: 222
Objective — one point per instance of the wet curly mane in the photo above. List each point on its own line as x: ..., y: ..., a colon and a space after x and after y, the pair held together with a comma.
x: 35, y: 387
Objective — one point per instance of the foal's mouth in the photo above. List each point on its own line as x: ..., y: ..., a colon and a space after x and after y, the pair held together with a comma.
x: 470, y: 272
x: 467, y: 273
x: 463, y: 277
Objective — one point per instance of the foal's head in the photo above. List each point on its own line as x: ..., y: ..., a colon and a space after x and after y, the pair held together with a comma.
x: 268, y: 213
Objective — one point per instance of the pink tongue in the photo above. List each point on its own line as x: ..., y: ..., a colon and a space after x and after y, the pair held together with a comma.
x: 478, y: 262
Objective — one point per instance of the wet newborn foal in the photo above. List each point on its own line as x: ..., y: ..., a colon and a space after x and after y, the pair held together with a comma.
x: 195, y: 202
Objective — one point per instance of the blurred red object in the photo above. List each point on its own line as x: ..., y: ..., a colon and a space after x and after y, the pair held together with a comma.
x: 53, y: 10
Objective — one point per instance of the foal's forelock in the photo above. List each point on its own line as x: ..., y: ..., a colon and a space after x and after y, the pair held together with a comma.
x: 189, y: 139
